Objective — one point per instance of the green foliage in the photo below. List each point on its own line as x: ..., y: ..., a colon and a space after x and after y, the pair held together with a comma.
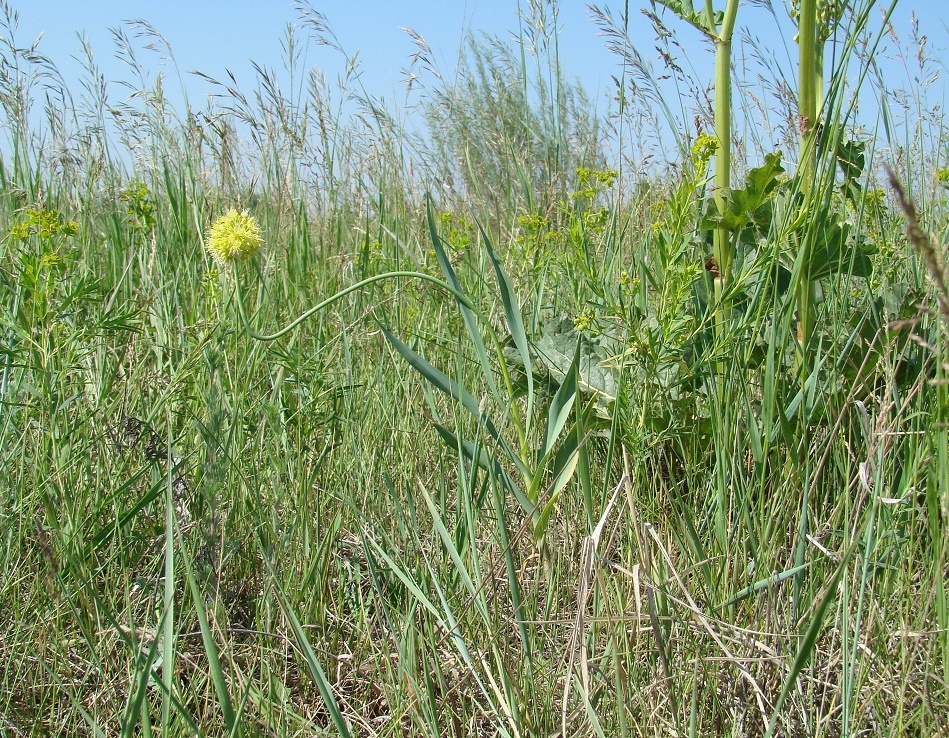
x: 749, y: 206
x: 514, y: 460
x: 701, y: 19
x: 138, y: 202
x: 537, y: 466
x: 43, y: 224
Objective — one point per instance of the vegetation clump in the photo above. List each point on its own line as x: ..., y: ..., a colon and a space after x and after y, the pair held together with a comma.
x: 533, y: 417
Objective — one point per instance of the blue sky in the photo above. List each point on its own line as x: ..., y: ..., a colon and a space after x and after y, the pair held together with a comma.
x: 213, y: 36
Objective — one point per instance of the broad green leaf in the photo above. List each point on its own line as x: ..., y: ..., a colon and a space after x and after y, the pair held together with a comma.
x: 750, y: 204
x: 555, y: 351
x: 762, y: 181
x: 852, y: 159
x: 835, y: 251
x: 686, y: 11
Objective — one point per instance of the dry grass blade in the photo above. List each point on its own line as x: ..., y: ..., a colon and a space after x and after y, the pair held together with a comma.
x: 709, y: 628
x: 588, y: 561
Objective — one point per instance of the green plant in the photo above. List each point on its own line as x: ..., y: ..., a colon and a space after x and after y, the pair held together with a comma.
x: 521, y: 482
x: 718, y: 26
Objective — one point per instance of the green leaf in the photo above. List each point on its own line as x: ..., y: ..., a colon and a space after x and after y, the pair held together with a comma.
x: 763, y: 584
x: 471, y: 322
x: 435, y: 377
x: 449, y: 545
x: 762, y: 181
x: 215, y: 670
x: 835, y: 251
x: 852, y: 159
x: 750, y: 204
x: 487, y: 462
x: 685, y: 10
x: 809, y: 641
x: 560, y: 481
x: 556, y: 348
x: 515, y: 323
x: 561, y: 405
x: 444, y: 383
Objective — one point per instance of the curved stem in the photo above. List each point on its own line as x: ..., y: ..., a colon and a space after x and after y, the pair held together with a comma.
x: 460, y: 296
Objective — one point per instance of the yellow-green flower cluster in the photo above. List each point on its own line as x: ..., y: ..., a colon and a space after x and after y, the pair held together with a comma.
x: 455, y: 230
x: 45, y: 224
x: 585, y: 320
x: 593, y: 180
x: 234, y: 237
x: 704, y: 148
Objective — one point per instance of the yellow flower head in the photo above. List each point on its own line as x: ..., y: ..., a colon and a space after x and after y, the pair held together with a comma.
x: 234, y: 237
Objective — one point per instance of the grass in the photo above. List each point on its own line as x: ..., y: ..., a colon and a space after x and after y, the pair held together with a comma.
x: 584, y: 489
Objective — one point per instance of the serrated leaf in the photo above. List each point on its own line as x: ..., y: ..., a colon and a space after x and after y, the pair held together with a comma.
x: 836, y: 252
x: 750, y: 204
x: 762, y: 181
x: 852, y: 159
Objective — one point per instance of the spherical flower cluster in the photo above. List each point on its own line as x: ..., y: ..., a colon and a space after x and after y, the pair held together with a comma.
x: 234, y: 237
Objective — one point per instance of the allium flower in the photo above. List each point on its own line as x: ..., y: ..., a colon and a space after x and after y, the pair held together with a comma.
x: 234, y: 237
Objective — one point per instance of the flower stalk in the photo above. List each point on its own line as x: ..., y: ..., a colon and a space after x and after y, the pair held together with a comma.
x: 723, y: 248
x: 236, y: 237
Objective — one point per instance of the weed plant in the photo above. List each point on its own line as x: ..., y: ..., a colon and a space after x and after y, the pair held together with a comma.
x: 607, y: 443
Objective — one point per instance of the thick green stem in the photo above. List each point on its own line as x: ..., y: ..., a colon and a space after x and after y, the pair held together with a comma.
x: 819, y: 74
x: 810, y: 88
x: 721, y: 243
x: 724, y: 254
x: 807, y: 87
